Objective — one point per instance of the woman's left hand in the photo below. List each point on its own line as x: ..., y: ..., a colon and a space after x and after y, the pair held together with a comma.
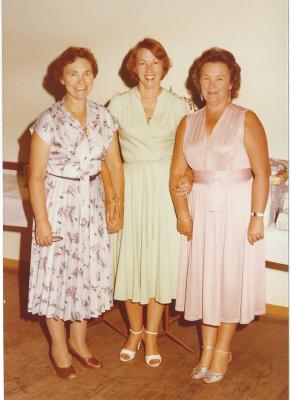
x: 184, y: 186
x: 255, y: 229
x: 114, y: 216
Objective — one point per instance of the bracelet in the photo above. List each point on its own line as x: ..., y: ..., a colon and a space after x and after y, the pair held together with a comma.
x: 184, y: 219
x: 257, y: 214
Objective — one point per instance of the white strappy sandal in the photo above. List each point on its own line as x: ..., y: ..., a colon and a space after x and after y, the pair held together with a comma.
x: 153, y: 357
x: 130, y: 353
x: 200, y: 372
x: 212, y: 376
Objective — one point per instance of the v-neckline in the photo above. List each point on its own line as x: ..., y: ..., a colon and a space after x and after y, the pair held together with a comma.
x: 149, y: 123
x: 76, y: 121
x: 209, y: 135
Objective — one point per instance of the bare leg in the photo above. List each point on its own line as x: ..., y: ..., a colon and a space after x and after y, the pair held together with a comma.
x: 59, y: 344
x: 78, y: 338
x: 154, y: 314
x: 209, y: 336
x: 220, y: 360
x: 135, y: 317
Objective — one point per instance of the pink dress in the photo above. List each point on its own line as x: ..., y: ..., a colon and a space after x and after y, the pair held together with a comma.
x: 222, y: 276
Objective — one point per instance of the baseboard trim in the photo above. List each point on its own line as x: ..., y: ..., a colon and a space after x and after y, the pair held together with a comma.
x: 277, y: 311
x: 11, y: 265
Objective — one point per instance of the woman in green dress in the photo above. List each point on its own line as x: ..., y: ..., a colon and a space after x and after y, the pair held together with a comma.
x: 146, y: 251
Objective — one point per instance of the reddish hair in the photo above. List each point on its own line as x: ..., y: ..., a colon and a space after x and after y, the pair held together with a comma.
x: 215, y: 54
x: 70, y: 55
x: 158, y: 51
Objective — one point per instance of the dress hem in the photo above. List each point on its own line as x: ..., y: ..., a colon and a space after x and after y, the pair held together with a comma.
x: 168, y: 301
x: 68, y: 319
x: 233, y: 321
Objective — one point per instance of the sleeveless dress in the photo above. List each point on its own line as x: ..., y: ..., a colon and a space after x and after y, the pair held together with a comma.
x: 146, y: 251
x: 222, y: 276
x: 72, y: 278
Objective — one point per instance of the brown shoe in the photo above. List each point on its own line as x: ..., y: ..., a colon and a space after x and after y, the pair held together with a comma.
x: 67, y: 373
x: 91, y: 362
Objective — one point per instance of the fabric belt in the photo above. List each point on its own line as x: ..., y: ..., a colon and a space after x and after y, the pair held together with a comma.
x: 217, y: 182
x: 91, y: 178
x: 222, y: 177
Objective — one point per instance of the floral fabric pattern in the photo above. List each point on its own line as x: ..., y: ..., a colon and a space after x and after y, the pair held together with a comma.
x: 72, y: 278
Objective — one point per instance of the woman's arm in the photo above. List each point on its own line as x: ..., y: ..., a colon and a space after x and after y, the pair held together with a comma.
x: 114, y: 166
x: 39, y: 155
x: 178, y: 169
x: 255, y: 142
x: 110, y: 197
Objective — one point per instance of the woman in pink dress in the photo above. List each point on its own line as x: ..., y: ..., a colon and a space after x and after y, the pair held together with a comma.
x: 221, y: 279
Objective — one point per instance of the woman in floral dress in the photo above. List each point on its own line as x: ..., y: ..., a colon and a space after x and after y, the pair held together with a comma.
x: 71, y: 275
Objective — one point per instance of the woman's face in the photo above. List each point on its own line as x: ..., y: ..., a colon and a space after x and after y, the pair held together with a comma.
x: 215, y: 82
x: 78, y: 78
x: 149, y: 69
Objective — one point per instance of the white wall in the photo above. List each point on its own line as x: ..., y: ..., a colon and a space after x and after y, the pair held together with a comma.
x: 36, y: 31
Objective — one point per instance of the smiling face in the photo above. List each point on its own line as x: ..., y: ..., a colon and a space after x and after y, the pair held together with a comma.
x: 149, y: 69
x: 215, y: 82
x: 78, y: 78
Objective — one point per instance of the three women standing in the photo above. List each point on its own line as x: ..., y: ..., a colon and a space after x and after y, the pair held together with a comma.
x: 222, y: 271
x: 146, y: 251
x: 71, y: 274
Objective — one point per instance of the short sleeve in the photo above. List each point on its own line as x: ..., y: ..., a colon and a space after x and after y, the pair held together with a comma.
x: 109, y: 126
x: 44, y: 127
x: 114, y: 107
x: 182, y: 109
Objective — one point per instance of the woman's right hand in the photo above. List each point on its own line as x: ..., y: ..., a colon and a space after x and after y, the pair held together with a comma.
x: 185, y: 226
x: 43, y: 233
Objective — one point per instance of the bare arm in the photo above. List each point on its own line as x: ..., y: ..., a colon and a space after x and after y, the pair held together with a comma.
x: 255, y: 142
x: 110, y: 198
x: 114, y: 166
x: 179, y: 167
x: 39, y: 155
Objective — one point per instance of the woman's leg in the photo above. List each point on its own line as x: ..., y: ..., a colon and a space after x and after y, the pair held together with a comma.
x: 78, y: 331
x: 154, y: 315
x: 221, y: 358
x: 59, y: 342
x: 209, y: 336
x: 135, y: 317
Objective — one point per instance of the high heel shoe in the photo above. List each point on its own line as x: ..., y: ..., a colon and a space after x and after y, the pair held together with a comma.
x: 200, y: 372
x: 153, y: 357
x: 90, y: 362
x: 67, y: 373
x: 212, y: 376
x: 130, y: 354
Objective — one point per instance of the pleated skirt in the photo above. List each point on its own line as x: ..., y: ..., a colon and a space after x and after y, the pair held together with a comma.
x: 72, y: 278
x: 145, y: 252
x: 221, y: 275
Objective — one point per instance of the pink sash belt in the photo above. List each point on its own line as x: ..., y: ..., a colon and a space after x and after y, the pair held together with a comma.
x: 222, y: 177
x: 217, y: 182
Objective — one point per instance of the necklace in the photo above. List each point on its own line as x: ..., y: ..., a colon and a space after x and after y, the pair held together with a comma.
x: 149, y: 105
x: 80, y: 117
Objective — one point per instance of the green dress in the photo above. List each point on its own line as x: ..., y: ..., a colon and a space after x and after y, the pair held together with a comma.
x: 146, y: 251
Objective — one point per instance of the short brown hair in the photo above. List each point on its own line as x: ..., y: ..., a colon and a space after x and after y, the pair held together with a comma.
x: 216, y: 54
x: 70, y: 55
x: 158, y: 51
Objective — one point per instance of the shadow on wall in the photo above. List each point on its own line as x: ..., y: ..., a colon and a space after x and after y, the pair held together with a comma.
x: 192, y: 90
x: 124, y: 74
x: 51, y: 85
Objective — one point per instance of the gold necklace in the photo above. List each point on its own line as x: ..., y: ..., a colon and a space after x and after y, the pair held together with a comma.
x: 82, y: 119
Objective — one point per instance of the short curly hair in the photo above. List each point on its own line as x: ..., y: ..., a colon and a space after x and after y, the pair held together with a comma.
x: 216, y: 54
x: 158, y: 51
x: 69, y: 56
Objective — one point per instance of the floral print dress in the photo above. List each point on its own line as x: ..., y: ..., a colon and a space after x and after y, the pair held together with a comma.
x: 72, y: 278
